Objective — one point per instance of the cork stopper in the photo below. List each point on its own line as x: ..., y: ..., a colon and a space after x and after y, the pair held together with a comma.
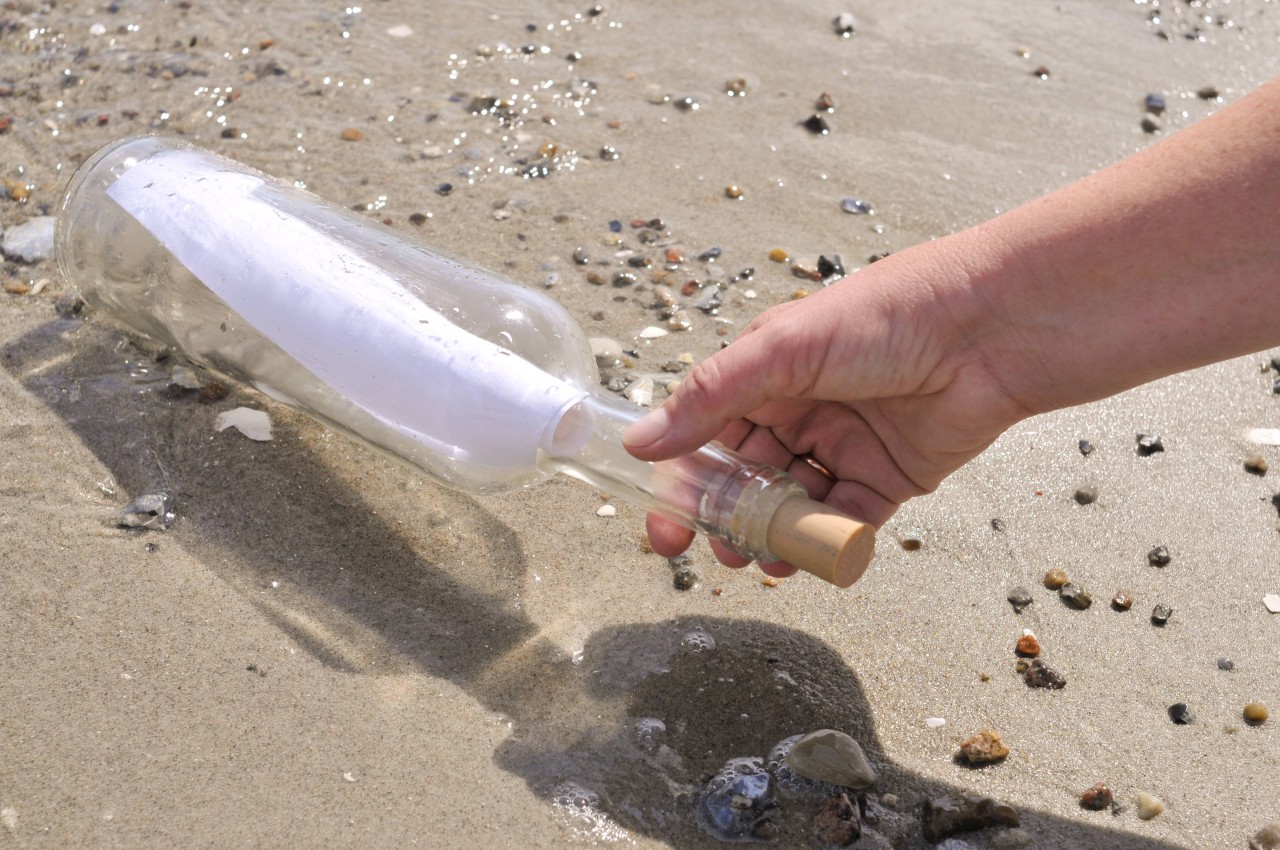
x: 821, y: 540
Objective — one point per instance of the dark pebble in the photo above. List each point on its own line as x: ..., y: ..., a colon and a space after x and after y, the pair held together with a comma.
x: 1041, y: 675
x: 624, y: 279
x: 687, y: 104
x: 830, y: 268
x: 1122, y: 601
x: 1161, y: 614
x: 1097, y: 798
x: 1154, y: 104
x: 1225, y: 663
x: 1041, y: 73
x: 1208, y: 93
x: 1159, y: 556
x: 844, y: 24
x: 857, y: 206
x: 1151, y: 124
x: 1275, y: 386
x: 839, y: 822
x: 639, y: 261
x: 875, y: 258
x: 153, y: 510
x: 580, y: 256
x: 684, y: 579
x: 1256, y: 465
x: 609, y: 153
x: 1149, y: 444
x: 1075, y: 596
x: 1019, y: 598
x: 710, y: 255
x: 615, y: 226
x: 1086, y: 447
x: 417, y: 219
x: 1179, y: 713
x: 946, y: 816
x: 1086, y: 495
x: 537, y: 171
x: 997, y: 525
x: 817, y: 125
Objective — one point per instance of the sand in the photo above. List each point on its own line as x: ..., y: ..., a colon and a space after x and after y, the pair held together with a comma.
x: 329, y: 650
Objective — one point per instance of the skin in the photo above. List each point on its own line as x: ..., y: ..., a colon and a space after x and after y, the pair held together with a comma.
x: 893, y: 378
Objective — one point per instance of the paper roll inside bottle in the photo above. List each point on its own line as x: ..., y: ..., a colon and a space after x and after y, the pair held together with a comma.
x: 344, y: 319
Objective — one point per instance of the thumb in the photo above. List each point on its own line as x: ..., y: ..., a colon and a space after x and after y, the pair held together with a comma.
x: 730, y: 384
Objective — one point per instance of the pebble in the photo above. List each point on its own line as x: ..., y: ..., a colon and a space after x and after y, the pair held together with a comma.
x: 1272, y: 602
x: 1225, y: 663
x: 1122, y: 601
x: 1154, y: 104
x: 1086, y: 447
x: 1267, y: 838
x: 1180, y: 713
x: 739, y: 801
x: 609, y: 153
x: 1028, y: 646
x: 1256, y: 713
x: 1151, y: 124
x: 855, y: 206
x: 1041, y: 675
x: 997, y: 524
x: 684, y: 579
x: 1075, y: 596
x: 1161, y: 614
x: 817, y: 125
x: 944, y: 816
x: 152, y: 510
x: 640, y: 392
x: 1086, y: 495
x: 1159, y: 556
x: 734, y: 192
x: 1055, y: 578
x: 779, y: 255
x: 1019, y: 598
x: 1256, y: 465
x: 652, y: 332
x: 845, y: 24
x: 31, y: 241
x: 830, y: 268
x: 839, y: 822
x: 1149, y: 444
x: 983, y: 748
x: 935, y: 722
x: 351, y: 134
x: 608, y: 352
x: 606, y: 511
x: 1149, y: 805
x: 1208, y: 93
x: 1097, y: 798
x: 831, y: 756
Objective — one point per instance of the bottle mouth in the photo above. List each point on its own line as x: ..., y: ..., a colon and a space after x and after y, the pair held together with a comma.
x: 571, y: 430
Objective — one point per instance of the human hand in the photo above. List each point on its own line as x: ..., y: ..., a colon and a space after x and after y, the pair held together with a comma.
x: 868, y: 392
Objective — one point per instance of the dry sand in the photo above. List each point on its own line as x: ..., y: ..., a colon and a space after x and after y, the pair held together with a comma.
x: 328, y: 650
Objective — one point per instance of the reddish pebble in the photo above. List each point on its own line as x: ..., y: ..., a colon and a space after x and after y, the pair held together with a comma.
x: 638, y: 223
x: 103, y: 119
x: 351, y: 134
x: 689, y: 288
x: 1055, y: 578
x: 1028, y: 646
x: 1097, y: 798
x: 675, y: 255
x: 5, y: 122
x: 983, y: 748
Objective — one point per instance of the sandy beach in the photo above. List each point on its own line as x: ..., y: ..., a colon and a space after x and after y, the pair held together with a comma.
x: 329, y: 650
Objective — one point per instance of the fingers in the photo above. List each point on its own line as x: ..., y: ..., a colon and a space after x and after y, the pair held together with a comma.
x: 726, y: 386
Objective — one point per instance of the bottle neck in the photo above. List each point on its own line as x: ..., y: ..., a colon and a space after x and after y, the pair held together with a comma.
x: 714, y: 490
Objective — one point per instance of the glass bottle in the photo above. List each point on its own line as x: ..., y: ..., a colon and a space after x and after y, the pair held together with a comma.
x: 484, y: 384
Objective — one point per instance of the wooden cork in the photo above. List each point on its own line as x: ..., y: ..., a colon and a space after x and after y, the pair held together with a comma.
x: 821, y: 540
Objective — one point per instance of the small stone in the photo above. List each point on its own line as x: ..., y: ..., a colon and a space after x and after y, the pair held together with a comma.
x: 606, y: 511
x: 817, y: 125
x: 418, y: 219
x: 1149, y: 444
x: 640, y: 392
x: 1075, y: 596
x: 1019, y: 598
x: 831, y: 756
x: 351, y: 134
x: 1267, y: 838
x: 1028, y: 646
x: 1151, y: 124
x: 1022, y: 666
x: 1159, y: 556
x: 1208, y: 93
x: 739, y: 800
x: 889, y: 801
x: 1040, y: 675
x: 609, y: 153
x: 736, y: 87
x: 1149, y: 805
x: 31, y: 241
x: 997, y: 525
x: 1272, y: 602
x: 945, y: 816
x: 1154, y: 103
x: 911, y: 544
x: 779, y: 255
x: 608, y: 352
x: 1180, y: 713
x: 839, y: 822
x: 684, y: 579
x: 1122, y: 601
x: 652, y: 332
x: 935, y: 722
x: 1256, y: 465
x: 983, y: 748
x: 1161, y: 614
x: 1086, y: 447
x: 1055, y: 578
x: 153, y: 510
x: 830, y: 268
x: 855, y: 206
x: 1086, y: 495
x: 1225, y: 663
x: 1097, y: 798
x: 845, y: 24
x: 1041, y: 73
x: 1255, y: 713
x: 734, y: 192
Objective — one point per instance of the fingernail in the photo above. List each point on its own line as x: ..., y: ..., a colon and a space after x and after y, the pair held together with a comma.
x: 648, y: 430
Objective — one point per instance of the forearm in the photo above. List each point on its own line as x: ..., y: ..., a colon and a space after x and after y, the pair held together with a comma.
x: 1163, y: 262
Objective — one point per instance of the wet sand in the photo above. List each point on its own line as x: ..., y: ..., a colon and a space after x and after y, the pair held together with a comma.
x: 327, y: 649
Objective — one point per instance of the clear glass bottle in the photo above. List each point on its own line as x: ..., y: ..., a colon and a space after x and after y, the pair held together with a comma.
x: 482, y: 383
